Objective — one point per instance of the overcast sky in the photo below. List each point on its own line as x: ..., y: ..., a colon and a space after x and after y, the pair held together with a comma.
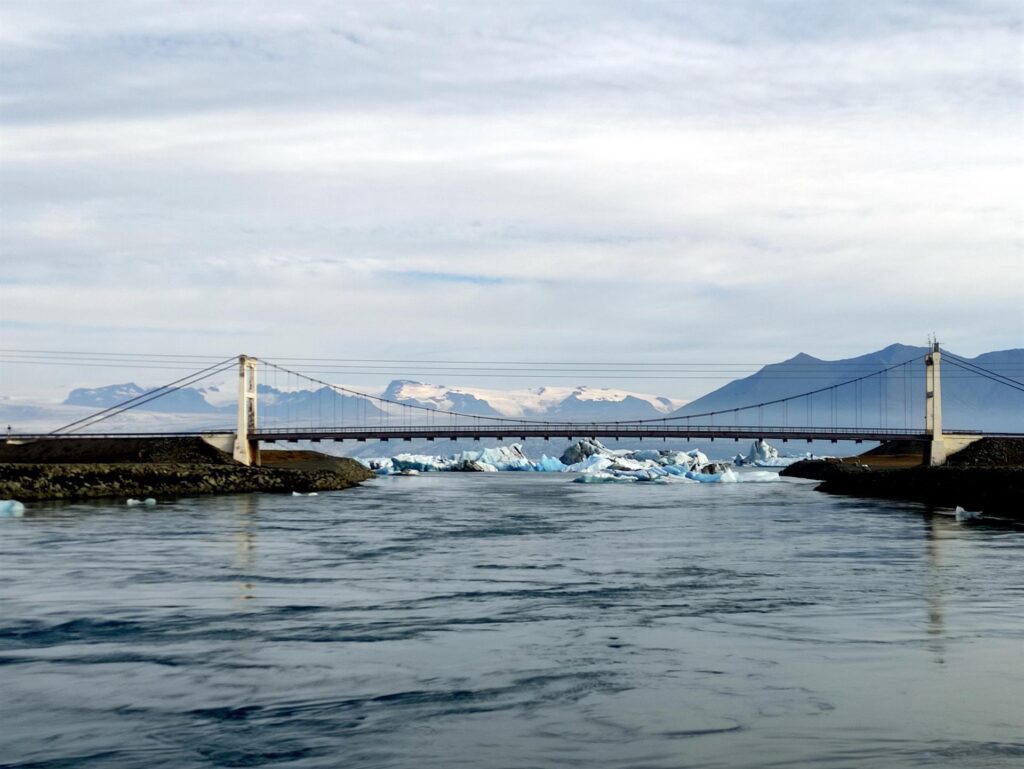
x: 641, y: 181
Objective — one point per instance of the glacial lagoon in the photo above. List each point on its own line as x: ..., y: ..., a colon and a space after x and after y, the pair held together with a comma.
x: 511, y: 620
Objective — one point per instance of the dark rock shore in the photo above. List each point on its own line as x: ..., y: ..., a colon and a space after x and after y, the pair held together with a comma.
x: 78, y: 450
x: 169, y: 467
x: 997, y: 491
x: 991, y: 452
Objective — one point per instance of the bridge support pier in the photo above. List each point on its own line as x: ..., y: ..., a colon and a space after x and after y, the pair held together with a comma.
x: 246, y: 451
x: 935, y: 448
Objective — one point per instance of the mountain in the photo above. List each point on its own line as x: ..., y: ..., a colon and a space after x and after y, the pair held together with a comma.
x: 549, y: 403
x: 184, y: 401
x: 321, y: 406
x: 582, y: 405
x: 438, y: 397
x: 894, y: 400
x: 324, y: 406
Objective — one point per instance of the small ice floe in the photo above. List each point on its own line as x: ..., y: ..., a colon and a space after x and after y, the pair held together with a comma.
x: 966, y: 515
x: 148, y: 502
x: 408, y: 471
x: 11, y: 508
x: 759, y: 476
x: 603, y: 477
x: 725, y: 476
x: 300, y: 494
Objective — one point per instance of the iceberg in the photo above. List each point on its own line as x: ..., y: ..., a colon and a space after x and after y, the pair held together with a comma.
x: 759, y: 476
x: 595, y: 463
x: 582, y: 449
x: 419, y: 462
x: 646, y: 475
x: 760, y: 451
x: 470, y: 466
x: 698, y: 458
x: 644, y: 465
x: 966, y: 515
x: 504, y: 458
x: 762, y: 454
x: 378, y: 465
x: 548, y: 464
x: 647, y: 455
x: 703, y: 477
x: 602, y: 477
x: 588, y: 457
x: 725, y: 476
x: 11, y: 508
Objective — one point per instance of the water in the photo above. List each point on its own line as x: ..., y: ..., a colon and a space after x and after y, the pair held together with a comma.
x: 513, y: 620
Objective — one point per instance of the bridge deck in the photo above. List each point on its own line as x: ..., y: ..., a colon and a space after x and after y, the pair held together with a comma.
x: 498, y: 431
x: 580, y: 430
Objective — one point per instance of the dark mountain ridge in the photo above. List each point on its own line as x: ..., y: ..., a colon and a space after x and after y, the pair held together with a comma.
x: 894, y: 399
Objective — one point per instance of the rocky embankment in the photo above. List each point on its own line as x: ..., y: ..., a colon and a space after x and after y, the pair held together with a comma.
x: 987, y: 477
x: 85, y: 468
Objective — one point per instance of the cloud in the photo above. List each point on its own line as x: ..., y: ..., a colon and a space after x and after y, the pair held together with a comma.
x: 664, y: 180
x: 448, y: 277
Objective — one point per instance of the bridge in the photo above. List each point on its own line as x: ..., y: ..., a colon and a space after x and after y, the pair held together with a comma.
x: 344, y: 414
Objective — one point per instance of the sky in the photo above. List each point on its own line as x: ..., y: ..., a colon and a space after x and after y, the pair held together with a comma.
x: 622, y: 182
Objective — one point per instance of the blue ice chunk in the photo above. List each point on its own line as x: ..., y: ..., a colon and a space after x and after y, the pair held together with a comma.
x: 704, y: 477
x: 601, y: 477
x: 548, y: 464
x: 11, y: 508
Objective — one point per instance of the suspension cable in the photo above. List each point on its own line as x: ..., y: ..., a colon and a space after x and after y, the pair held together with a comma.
x: 990, y: 375
x: 777, y: 400
x: 520, y: 421
x: 995, y: 376
x: 146, y: 397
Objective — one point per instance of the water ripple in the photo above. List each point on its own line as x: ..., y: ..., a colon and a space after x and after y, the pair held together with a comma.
x: 510, y: 621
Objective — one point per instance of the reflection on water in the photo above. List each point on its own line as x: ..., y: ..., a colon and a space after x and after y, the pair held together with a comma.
x: 510, y: 620
x: 245, y: 506
x: 934, y: 586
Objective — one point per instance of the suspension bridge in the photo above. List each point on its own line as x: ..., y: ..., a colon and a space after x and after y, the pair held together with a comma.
x: 344, y: 414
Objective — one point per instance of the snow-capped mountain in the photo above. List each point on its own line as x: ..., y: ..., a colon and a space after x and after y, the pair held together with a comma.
x: 439, y: 397
x: 555, y: 403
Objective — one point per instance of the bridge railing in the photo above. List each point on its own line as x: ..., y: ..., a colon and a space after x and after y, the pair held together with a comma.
x: 580, y: 429
x: 553, y: 429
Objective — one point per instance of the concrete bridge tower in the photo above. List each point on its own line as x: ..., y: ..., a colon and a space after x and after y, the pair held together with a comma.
x: 935, y: 448
x: 246, y: 451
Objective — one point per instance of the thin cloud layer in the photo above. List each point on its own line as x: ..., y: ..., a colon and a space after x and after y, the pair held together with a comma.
x: 592, y: 181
